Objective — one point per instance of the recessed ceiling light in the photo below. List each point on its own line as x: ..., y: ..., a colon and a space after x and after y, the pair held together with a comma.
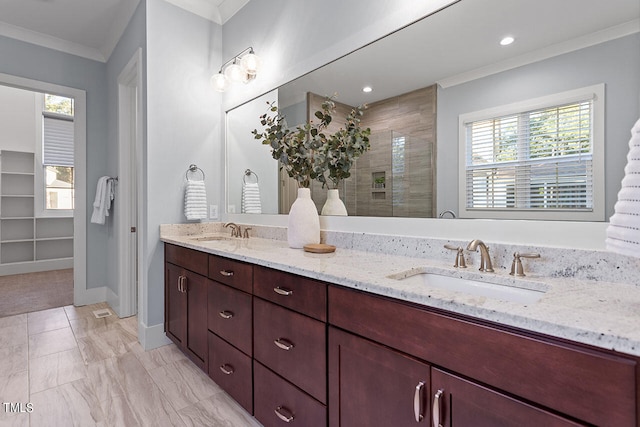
x: 367, y: 89
x: 507, y: 41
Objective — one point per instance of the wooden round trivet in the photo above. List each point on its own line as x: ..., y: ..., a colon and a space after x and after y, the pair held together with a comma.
x: 319, y: 248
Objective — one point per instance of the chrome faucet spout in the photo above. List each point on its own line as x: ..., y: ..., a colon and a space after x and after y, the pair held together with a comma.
x: 485, y: 258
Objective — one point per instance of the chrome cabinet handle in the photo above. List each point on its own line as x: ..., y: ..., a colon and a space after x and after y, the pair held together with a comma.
x: 284, y: 414
x: 227, y: 369
x: 185, y: 284
x: 180, y: 283
x: 437, y: 408
x: 417, y: 402
x: 226, y: 314
x: 226, y: 273
x: 284, y: 344
x: 282, y: 291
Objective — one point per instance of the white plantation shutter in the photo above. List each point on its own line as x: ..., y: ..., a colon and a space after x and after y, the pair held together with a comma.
x: 57, y: 140
x: 540, y: 159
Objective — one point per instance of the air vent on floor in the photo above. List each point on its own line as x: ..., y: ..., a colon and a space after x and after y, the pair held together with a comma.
x: 105, y: 312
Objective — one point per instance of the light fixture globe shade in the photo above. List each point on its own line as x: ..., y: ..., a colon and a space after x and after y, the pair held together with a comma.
x: 219, y: 82
x: 234, y: 73
x: 251, y: 63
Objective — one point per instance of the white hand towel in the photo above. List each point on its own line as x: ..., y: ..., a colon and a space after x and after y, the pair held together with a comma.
x: 251, y: 198
x: 102, y: 202
x: 195, y: 200
x: 623, y: 232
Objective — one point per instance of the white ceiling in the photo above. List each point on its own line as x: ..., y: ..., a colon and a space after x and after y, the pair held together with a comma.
x: 89, y: 28
x: 460, y: 44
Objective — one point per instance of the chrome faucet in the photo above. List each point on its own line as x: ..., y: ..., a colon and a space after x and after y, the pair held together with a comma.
x: 485, y: 258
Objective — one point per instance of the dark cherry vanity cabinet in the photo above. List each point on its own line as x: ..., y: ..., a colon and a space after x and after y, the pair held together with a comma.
x: 474, y: 373
x: 292, y: 350
x: 186, y: 301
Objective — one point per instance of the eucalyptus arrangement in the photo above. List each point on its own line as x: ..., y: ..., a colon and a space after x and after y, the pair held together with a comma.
x: 308, y: 152
x: 298, y: 149
x: 342, y: 148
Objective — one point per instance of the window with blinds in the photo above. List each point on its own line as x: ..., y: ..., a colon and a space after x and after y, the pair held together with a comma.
x: 533, y: 160
x: 58, y: 152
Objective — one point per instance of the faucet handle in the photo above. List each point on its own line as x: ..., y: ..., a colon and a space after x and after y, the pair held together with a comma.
x: 246, y: 233
x: 516, y: 265
x: 460, y: 263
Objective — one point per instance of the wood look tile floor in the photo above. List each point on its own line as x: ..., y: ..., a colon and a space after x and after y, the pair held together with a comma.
x: 64, y: 367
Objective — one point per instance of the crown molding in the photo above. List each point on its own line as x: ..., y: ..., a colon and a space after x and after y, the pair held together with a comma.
x: 50, y: 42
x: 598, y: 37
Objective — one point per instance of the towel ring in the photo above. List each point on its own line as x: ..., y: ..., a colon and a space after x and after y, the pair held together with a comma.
x: 247, y: 173
x: 193, y: 169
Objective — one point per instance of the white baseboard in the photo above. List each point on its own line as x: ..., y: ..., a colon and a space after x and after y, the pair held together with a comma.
x: 35, y: 266
x: 89, y: 296
x: 151, y: 337
x: 113, y: 301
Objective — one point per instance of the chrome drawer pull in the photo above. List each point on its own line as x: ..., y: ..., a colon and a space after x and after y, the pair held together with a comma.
x: 284, y: 344
x: 226, y: 273
x: 226, y: 314
x: 417, y: 402
x: 287, y: 418
x: 227, y: 369
x: 282, y: 291
x: 437, y: 408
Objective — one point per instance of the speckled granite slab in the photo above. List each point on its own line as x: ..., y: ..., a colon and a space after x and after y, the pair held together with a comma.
x: 590, y: 297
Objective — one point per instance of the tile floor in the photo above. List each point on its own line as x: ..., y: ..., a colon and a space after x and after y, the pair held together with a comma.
x: 68, y: 368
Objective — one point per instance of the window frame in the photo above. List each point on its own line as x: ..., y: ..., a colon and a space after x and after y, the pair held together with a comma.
x: 595, y: 93
x: 40, y: 206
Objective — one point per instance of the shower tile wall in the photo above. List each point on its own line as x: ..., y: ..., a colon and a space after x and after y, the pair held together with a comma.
x: 410, y: 190
x: 409, y: 182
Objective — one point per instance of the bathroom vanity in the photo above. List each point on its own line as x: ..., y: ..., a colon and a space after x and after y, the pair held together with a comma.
x: 331, y: 340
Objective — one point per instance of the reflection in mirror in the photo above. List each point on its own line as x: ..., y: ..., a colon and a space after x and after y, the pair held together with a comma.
x: 451, y: 64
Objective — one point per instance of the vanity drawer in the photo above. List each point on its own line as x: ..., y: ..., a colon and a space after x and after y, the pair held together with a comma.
x: 231, y: 370
x: 298, y: 293
x: 229, y: 315
x: 292, y: 345
x: 276, y: 399
x: 591, y: 385
x: 231, y: 272
x: 190, y: 259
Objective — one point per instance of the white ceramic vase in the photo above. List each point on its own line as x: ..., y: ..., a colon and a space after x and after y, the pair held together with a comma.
x: 304, y: 222
x: 334, y: 205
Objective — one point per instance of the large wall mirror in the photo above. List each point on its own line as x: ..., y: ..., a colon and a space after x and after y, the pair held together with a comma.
x: 425, y: 77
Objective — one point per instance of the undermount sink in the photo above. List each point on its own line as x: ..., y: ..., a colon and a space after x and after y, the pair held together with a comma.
x: 474, y: 287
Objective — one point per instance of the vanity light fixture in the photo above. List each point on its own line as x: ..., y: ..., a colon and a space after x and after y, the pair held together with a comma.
x: 243, y: 67
x: 506, y: 41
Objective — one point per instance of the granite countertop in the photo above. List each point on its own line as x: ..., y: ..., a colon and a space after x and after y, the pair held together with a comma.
x: 585, y: 311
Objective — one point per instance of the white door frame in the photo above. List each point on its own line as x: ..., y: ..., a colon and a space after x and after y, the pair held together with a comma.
x: 81, y: 295
x: 129, y: 185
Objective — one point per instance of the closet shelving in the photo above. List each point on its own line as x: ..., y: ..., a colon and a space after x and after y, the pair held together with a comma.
x: 25, y: 238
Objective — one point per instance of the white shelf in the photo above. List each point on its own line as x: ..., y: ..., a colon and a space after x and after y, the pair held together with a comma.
x: 24, y: 239
x: 17, y: 162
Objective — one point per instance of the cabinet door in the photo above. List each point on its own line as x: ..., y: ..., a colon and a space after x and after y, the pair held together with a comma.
x: 372, y: 385
x: 175, y: 305
x: 196, y: 291
x: 470, y: 404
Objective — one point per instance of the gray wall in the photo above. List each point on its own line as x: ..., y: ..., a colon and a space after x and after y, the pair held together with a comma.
x: 616, y: 63
x: 184, y: 126
x: 39, y: 63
